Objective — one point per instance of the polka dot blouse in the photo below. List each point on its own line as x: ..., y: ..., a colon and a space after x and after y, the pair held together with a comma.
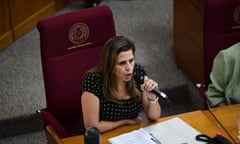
x: 111, y: 111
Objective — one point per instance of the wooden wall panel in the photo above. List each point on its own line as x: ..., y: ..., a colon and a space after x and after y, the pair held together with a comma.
x: 5, y: 26
x: 25, y: 14
x: 19, y: 16
x: 189, y: 38
x: 62, y: 3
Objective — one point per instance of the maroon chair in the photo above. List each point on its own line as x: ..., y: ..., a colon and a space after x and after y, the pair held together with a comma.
x: 221, y: 30
x: 70, y: 43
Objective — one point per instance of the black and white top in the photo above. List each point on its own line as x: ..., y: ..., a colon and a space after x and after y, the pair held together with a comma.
x: 111, y: 111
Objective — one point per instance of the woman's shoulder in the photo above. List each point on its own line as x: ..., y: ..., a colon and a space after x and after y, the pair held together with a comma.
x: 232, y: 51
x: 93, y: 76
x: 92, y: 82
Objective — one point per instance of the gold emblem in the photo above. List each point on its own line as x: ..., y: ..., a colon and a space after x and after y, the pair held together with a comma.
x: 236, y: 15
x: 78, y: 33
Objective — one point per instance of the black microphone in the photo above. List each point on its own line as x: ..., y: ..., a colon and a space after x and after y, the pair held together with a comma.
x: 140, y: 80
x: 92, y: 136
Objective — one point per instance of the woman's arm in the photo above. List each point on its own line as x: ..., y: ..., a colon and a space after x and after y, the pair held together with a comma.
x: 91, y: 112
x: 215, y: 93
x: 151, y: 105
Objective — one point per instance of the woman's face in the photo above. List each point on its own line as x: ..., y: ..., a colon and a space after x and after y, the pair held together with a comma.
x: 124, y: 67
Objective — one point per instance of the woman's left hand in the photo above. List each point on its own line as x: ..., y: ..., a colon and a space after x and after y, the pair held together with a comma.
x: 151, y: 105
x: 148, y: 86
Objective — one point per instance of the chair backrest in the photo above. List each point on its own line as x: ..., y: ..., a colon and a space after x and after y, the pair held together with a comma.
x: 71, y: 43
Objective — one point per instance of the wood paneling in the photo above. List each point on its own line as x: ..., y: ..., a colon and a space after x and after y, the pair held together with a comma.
x: 19, y: 16
x: 5, y: 26
x: 62, y: 3
x: 25, y: 14
x: 189, y: 37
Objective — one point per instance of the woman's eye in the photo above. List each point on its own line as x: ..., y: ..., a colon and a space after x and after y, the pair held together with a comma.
x: 125, y: 62
x: 122, y: 63
x: 131, y: 60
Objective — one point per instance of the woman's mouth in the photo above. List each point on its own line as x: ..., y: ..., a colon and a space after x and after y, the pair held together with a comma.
x: 128, y: 76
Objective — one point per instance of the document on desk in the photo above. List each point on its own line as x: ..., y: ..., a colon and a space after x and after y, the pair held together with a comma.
x: 173, y: 131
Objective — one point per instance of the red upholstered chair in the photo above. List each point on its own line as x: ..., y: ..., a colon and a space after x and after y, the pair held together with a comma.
x: 70, y: 43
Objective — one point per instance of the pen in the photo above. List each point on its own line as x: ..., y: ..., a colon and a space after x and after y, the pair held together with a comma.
x: 154, y: 139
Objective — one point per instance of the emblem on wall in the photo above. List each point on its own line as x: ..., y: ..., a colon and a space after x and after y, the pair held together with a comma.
x: 78, y: 33
x: 236, y: 15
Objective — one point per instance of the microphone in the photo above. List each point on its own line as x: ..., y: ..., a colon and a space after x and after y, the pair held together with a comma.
x: 140, y: 80
x: 92, y: 136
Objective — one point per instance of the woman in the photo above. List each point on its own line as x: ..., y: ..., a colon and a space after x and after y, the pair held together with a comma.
x: 111, y: 98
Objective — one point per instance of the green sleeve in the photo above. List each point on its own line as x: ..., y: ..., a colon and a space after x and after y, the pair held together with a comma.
x: 215, y: 92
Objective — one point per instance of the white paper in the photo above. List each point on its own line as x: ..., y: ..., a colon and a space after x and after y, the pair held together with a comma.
x: 173, y: 131
x: 139, y: 136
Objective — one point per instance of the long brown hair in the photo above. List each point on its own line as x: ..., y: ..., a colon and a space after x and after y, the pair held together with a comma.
x: 110, y: 52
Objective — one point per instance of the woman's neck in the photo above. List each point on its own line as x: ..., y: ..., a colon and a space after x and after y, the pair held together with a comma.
x: 121, y: 91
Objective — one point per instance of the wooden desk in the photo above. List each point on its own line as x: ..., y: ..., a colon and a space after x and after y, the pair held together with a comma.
x: 227, y: 116
x: 199, y: 120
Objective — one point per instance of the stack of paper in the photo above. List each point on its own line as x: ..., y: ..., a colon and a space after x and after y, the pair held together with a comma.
x: 173, y: 131
x: 139, y: 136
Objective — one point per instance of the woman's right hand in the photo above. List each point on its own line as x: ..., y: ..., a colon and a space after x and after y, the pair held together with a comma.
x: 134, y: 121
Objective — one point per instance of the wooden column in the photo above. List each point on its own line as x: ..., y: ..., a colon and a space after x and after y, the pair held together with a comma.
x: 6, y: 36
x: 188, y: 38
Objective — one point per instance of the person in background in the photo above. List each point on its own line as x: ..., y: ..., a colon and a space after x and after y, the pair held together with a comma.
x: 225, y: 78
x: 110, y: 96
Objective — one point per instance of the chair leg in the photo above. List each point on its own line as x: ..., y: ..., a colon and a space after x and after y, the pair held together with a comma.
x: 202, y: 89
x: 52, y: 137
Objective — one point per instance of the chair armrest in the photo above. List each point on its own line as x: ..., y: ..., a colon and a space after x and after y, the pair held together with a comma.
x: 202, y: 88
x: 52, y: 136
x: 49, y: 119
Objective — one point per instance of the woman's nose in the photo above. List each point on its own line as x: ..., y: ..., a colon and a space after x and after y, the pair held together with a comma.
x: 128, y: 66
